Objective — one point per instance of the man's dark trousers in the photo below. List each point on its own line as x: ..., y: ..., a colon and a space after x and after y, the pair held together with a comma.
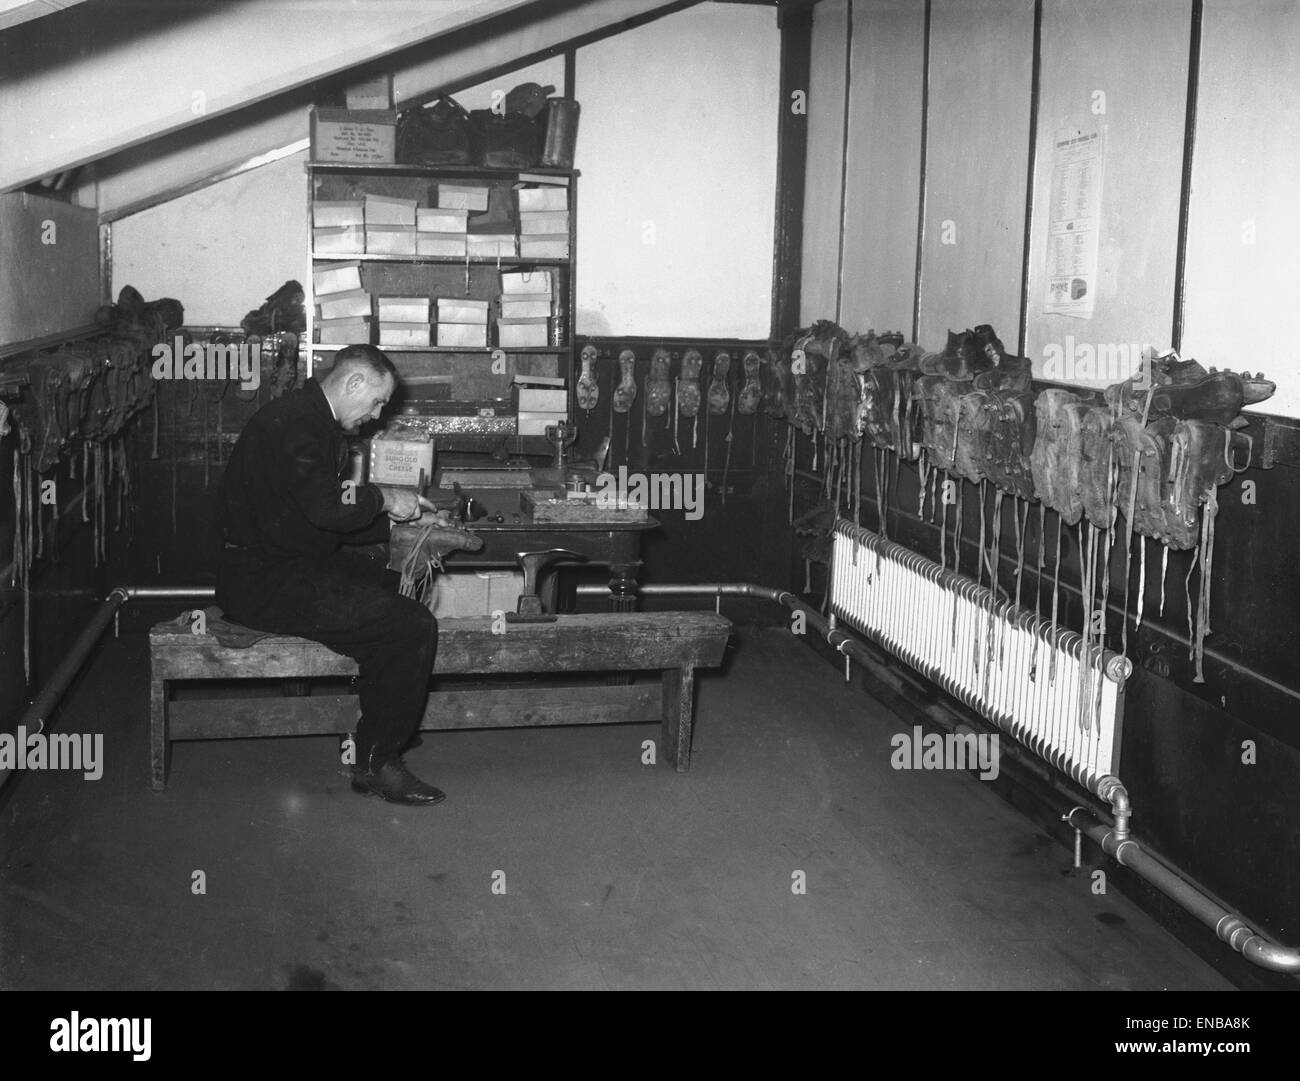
x: 348, y: 601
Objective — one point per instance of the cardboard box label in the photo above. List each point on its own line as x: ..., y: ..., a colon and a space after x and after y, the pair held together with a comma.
x: 363, y: 136
x: 400, y: 461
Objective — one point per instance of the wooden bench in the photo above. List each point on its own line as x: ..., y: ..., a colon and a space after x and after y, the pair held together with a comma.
x: 674, y: 643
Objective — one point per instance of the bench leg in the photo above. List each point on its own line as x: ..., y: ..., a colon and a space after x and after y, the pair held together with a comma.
x: 159, y: 745
x: 679, y: 712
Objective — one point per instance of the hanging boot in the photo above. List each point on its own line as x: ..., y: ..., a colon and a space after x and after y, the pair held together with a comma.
x: 688, y: 392
x: 719, y: 395
x: 625, y: 392
x: 751, y: 393
x: 773, y: 375
x: 658, y: 388
x: 588, y: 390
x: 841, y: 404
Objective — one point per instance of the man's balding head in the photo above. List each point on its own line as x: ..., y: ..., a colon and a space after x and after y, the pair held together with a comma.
x: 359, y: 385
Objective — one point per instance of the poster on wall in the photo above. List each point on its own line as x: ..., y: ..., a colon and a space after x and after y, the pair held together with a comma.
x: 1074, y: 222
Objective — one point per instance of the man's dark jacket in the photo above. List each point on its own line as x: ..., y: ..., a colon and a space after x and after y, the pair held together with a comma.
x: 283, y: 498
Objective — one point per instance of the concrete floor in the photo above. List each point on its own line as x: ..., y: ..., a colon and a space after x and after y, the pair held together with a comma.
x: 616, y: 874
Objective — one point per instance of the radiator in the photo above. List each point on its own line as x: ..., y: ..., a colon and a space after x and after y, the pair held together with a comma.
x: 1035, y: 682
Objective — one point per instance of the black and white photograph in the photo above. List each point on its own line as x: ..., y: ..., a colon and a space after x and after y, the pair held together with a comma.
x: 628, y: 495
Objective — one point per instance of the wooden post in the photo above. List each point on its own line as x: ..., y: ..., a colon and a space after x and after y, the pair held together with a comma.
x: 679, y: 706
x: 158, y: 742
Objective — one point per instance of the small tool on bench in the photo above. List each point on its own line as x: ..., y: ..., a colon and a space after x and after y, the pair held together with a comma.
x: 530, y: 601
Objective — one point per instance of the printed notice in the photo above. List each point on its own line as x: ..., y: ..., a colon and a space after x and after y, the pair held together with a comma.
x: 1074, y: 223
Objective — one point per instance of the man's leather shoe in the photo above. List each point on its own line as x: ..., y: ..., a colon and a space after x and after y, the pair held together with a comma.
x: 397, y: 784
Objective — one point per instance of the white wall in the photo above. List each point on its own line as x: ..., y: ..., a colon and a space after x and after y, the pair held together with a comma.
x: 221, y: 250
x: 677, y: 200
x: 1243, y: 245
x: 824, y: 185
x: 1131, y: 57
x: 977, y: 163
x: 1093, y: 47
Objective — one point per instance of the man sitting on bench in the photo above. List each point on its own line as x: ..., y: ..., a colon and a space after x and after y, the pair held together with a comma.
x: 286, y: 513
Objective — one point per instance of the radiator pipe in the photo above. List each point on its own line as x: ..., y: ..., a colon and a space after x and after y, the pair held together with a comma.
x: 34, y: 717
x: 1229, y: 927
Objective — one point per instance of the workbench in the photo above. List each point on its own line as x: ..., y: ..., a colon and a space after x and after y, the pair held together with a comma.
x: 616, y: 545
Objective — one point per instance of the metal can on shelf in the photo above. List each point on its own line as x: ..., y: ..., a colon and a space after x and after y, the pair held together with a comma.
x: 561, y: 133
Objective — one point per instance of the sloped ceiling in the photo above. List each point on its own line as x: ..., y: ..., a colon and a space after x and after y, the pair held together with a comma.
x: 13, y: 12
x: 171, y: 92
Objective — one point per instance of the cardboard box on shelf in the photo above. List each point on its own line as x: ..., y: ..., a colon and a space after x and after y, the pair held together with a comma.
x: 523, y: 333
x: 462, y: 197
x: 462, y: 310
x: 338, y: 212
x: 353, y: 303
x: 545, y: 197
x: 536, y: 422
x: 336, y: 278
x: 491, y: 245
x: 401, y: 458
x: 444, y: 245
x: 403, y: 309
x: 339, y: 240
x: 540, y: 399
x: 374, y: 93
x: 343, y: 331
x: 386, y: 210
x: 403, y: 333
x: 358, y: 136
x: 528, y: 281
x: 441, y: 220
x: 544, y: 246
x: 390, y: 239
x: 526, y: 305
x: 469, y: 335
x: 540, y: 223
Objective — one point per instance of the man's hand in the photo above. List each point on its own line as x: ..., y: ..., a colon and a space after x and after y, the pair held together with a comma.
x: 404, y: 505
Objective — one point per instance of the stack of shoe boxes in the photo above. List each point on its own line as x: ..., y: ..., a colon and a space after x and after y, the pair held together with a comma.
x: 342, y: 305
x: 462, y: 322
x: 527, y: 304
x: 403, y: 320
x: 390, y: 225
x: 544, y: 222
x: 338, y: 227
